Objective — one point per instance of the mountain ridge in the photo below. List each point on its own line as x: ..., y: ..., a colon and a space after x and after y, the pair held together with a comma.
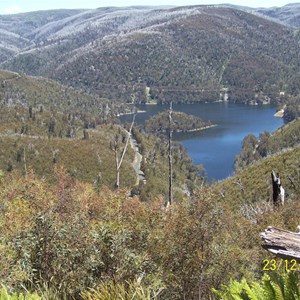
x: 119, y: 53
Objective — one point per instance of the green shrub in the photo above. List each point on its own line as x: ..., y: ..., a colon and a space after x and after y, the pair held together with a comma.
x: 4, y: 295
x: 133, y: 290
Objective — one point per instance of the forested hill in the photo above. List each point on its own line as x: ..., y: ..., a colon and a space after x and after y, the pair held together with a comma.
x: 141, y: 54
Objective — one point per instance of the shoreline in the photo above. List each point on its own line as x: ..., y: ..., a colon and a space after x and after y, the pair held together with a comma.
x: 131, y: 113
x: 189, y: 130
x: 196, y: 129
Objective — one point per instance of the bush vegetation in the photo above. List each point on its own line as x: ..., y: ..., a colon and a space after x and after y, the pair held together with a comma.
x: 80, y: 241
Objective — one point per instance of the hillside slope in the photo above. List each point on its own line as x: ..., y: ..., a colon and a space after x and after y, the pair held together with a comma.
x: 251, y: 185
x: 44, y: 125
x: 36, y: 92
x: 181, y: 54
x: 251, y: 188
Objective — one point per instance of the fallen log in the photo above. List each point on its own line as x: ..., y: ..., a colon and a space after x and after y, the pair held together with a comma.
x: 283, y: 243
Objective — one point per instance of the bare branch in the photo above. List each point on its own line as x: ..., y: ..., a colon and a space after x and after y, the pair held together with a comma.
x: 115, y: 149
x: 170, y: 202
x: 127, y: 141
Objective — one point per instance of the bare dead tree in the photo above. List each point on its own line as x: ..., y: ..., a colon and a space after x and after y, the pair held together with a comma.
x: 170, y: 200
x: 222, y: 193
x: 240, y: 184
x: 119, y: 161
x: 25, y: 164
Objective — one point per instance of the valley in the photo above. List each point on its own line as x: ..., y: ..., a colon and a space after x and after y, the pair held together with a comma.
x: 94, y: 206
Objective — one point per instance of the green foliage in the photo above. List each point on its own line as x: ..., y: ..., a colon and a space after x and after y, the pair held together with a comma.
x: 252, y: 185
x: 154, y: 165
x: 72, y: 238
x: 83, y: 159
x: 4, y: 295
x: 273, y: 286
x: 47, y: 143
x: 292, y: 110
x: 75, y: 240
x: 69, y: 237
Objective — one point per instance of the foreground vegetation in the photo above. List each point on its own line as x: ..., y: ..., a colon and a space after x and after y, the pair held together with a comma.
x: 70, y: 237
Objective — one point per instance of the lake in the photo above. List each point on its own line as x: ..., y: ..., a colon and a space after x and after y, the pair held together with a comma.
x: 216, y: 148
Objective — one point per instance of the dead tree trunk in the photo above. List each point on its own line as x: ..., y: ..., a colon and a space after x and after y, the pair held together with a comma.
x: 117, y: 184
x: 25, y: 165
x: 278, y: 190
x: 170, y: 202
x: 283, y: 243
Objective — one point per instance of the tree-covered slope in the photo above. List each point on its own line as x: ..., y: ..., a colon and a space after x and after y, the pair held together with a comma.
x: 43, y: 140
x: 36, y: 92
x: 180, y: 54
x: 17, y: 32
x: 252, y: 186
x: 253, y: 149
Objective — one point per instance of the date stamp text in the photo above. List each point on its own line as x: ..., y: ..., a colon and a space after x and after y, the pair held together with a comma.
x: 280, y: 264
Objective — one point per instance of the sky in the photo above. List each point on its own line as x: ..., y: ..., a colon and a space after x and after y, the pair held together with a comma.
x: 18, y: 6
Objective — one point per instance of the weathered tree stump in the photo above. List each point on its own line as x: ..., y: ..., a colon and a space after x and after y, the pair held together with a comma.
x: 278, y: 190
x: 283, y: 243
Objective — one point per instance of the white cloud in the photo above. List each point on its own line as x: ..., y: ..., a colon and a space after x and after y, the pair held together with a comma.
x: 13, y: 9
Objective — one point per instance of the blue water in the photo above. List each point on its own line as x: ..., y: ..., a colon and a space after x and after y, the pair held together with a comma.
x: 216, y: 148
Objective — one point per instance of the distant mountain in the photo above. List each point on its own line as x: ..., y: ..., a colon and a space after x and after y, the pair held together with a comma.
x: 141, y: 54
x: 288, y: 14
x: 16, y: 31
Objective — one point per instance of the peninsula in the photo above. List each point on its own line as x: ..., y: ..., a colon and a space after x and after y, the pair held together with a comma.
x: 181, y: 122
